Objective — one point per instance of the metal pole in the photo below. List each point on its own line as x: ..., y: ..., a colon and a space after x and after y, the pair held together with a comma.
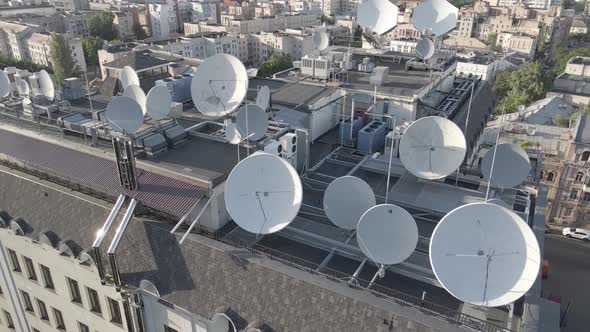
x: 351, y: 118
x: 494, y: 156
x: 247, y: 132
x: 390, y: 159
x: 466, y: 123
x: 196, y: 219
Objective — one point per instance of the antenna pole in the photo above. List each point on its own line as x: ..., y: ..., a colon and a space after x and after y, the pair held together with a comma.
x: 494, y: 156
x: 247, y: 131
x: 351, y: 117
x: 390, y: 159
x: 466, y: 122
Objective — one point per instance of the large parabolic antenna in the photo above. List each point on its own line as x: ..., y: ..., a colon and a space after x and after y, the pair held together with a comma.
x: 387, y: 234
x: 484, y: 254
x: 432, y: 147
x: 219, y: 86
x: 124, y: 114
x: 46, y: 85
x: 425, y: 49
x: 23, y: 88
x: 158, y: 102
x: 436, y: 16
x: 128, y: 77
x: 511, y: 165
x: 263, y: 193
x: 136, y: 93
x: 379, y: 16
x: 232, y: 134
x: 252, y: 122
x: 346, y: 199
x: 4, y: 84
x: 320, y: 39
x: 263, y: 98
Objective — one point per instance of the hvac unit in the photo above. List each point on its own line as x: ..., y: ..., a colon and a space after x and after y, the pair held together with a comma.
x: 372, y: 137
x: 289, y: 144
x: 274, y: 147
x: 322, y: 68
x: 175, y: 135
x: 154, y: 145
x: 307, y: 66
x: 72, y: 89
x: 345, y: 125
x: 297, y: 64
x: 176, y: 109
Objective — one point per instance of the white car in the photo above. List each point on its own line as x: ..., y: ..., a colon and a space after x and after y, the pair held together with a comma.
x: 576, y: 233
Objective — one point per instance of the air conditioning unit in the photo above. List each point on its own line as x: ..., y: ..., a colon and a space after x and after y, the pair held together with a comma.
x: 274, y: 147
x: 289, y: 144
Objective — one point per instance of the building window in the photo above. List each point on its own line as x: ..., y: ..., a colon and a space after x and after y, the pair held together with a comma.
x: 47, y: 277
x: 541, y: 175
x: 574, y: 194
x: 580, y: 177
x: 14, y: 260
x: 59, y: 320
x: 585, y: 156
x: 550, y: 176
x: 27, y: 301
x: 94, y: 301
x: 169, y: 329
x: 30, y: 268
x: 74, y: 290
x: 567, y: 212
x: 42, y: 310
x: 83, y: 327
x: 115, y: 311
x: 9, y: 321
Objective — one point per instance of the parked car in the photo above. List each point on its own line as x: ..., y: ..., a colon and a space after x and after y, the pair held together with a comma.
x: 576, y: 233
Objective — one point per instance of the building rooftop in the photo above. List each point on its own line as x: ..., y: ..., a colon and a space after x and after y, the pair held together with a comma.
x: 582, y: 130
x: 42, y: 38
x: 579, y: 24
x: 579, y: 60
x: 142, y: 60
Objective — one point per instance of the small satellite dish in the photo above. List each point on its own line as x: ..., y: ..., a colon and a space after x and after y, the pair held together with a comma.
x: 495, y: 265
x: 128, y: 77
x: 4, y: 84
x: 124, y: 114
x: 432, y: 147
x: 521, y: 108
x: 232, y: 134
x: 263, y: 98
x: 136, y: 93
x: 436, y: 16
x: 511, y: 166
x: 531, y: 131
x: 346, y: 200
x: 23, y: 88
x: 425, y: 49
x: 158, y: 102
x: 252, y: 122
x: 263, y: 193
x: 509, y: 126
x: 320, y: 39
x: 387, y: 234
x: 46, y: 85
x: 379, y: 16
x: 219, y: 86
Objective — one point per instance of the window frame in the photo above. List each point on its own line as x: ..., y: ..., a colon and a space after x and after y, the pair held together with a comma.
x: 14, y: 262
x: 83, y: 327
x: 93, y: 300
x: 47, y: 278
x: 43, y: 313
x: 115, y: 317
x: 8, y: 318
x: 60, y: 324
x: 27, y: 301
x: 30, y: 267
x: 74, y: 289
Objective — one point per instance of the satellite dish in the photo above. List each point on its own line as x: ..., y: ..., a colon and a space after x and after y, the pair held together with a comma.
x: 219, y: 86
x: 263, y: 98
x: 128, y: 77
x: 124, y: 114
x: 432, y: 147
x: 158, y: 102
x: 23, y: 88
x: 531, y: 131
x: 346, y: 200
x: 263, y: 193
x: 136, y: 93
x: 521, y: 108
x: 46, y: 85
x: 379, y: 16
x: 320, y: 39
x: 232, y: 134
x: 387, y: 234
x: 509, y: 126
x: 511, y: 166
x: 254, y: 119
x: 436, y: 16
x: 425, y: 49
x: 494, y: 265
x: 4, y: 84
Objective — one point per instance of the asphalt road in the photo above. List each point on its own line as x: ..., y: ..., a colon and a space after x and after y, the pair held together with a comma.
x: 569, y: 277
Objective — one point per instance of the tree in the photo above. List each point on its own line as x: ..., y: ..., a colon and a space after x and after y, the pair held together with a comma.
x: 520, y: 86
x: 568, y: 4
x: 91, y: 45
x: 561, y: 120
x: 6, y: 61
x: 492, y: 40
x: 275, y: 63
x: 581, y: 111
x: 101, y: 25
x: 510, y: 103
x: 64, y: 65
x: 502, y: 84
x: 561, y: 57
x: 524, y: 144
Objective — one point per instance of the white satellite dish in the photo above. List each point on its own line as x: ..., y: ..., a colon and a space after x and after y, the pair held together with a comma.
x: 511, y: 165
x: 379, y: 16
x: 320, y: 39
x: 346, y: 200
x: 128, y: 77
x: 219, y: 86
x: 263, y: 97
x: 509, y: 126
x: 495, y: 264
x: 425, y: 49
x: 232, y: 134
x: 263, y: 193
x: 4, y: 84
x: 46, y: 85
x: 23, y: 88
x: 531, y: 131
x: 387, y: 234
x: 252, y: 122
x: 136, y: 93
x: 158, y: 102
x: 436, y: 16
x: 124, y: 114
x: 521, y: 108
x: 432, y: 147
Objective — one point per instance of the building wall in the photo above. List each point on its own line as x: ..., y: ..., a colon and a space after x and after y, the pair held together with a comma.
x: 163, y: 19
x: 466, y: 23
x: 123, y: 22
x: 487, y: 72
x: 522, y: 44
x: 581, y: 69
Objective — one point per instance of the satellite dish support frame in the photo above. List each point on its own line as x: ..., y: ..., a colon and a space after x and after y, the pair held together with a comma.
x: 125, y: 158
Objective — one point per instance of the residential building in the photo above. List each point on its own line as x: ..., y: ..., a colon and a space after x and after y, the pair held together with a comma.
x: 297, y: 43
x: 41, y: 9
x: 205, y: 11
x: 46, y: 22
x: 403, y: 31
x: 39, y: 50
x: 466, y: 23
x: 330, y: 7
x: 494, y: 24
x: 573, y: 85
x: 75, y: 22
x: 163, y: 19
x: 70, y: 5
x: 231, y: 24
x: 13, y: 38
x: 579, y: 27
x: 112, y: 52
x: 466, y: 44
x: 482, y: 65
x: 305, y: 7
x: 406, y: 46
x: 520, y: 43
x: 124, y: 23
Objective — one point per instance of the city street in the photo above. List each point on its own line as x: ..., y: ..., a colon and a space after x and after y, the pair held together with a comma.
x: 569, y: 277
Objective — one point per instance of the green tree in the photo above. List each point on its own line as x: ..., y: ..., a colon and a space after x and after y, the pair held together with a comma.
x: 502, y: 84
x: 524, y: 144
x: 6, y: 61
x: 64, y: 65
x: 510, y: 103
x: 581, y: 111
x: 520, y: 86
x: 561, y: 57
x: 101, y: 25
x: 561, y: 120
x: 275, y: 63
x: 91, y: 45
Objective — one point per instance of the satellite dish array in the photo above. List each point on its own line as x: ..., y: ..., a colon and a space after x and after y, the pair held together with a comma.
x: 433, y: 19
x: 379, y: 16
x: 4, y: 84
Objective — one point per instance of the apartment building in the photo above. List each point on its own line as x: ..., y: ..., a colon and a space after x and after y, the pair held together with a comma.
x: 75, y: 22
x: 494, y: 24
x: 204, y: 11
x: 39, y: 49
x: 579, y: 27
x: 520, y: 43
x: 231, y: 24
x: 403, y: 31
x: 204, y: 45
x: 70, y: 5
x: 466, y: 23
x: 573, y: 85
x: 124, y: 23
x: 294, y: 42
x: 163, y: 19
x: 13, y: 39
x: 113, y: 52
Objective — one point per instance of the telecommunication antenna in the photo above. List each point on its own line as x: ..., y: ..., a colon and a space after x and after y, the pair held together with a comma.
x: 378, y: 16
x: 320, y: 39
x: 4, y: 84
x: 23, y: 88
x: 495, y: 265
x: 263, y: 98
x: 128, y: 77
x: 158, y: 103
x: 232, y: 134
x: 512, y: 165
x: 46, y: 84
x: 252, y: 122
x: 136, y: 93
x: 435, y: 16
x: 263, y: 193
x: 346, y: 199
x: 425, y: 49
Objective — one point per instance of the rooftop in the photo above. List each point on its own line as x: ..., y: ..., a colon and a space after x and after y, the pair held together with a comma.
x: 142, y: 60
x: 579, y: 60
x: 582, y: 130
